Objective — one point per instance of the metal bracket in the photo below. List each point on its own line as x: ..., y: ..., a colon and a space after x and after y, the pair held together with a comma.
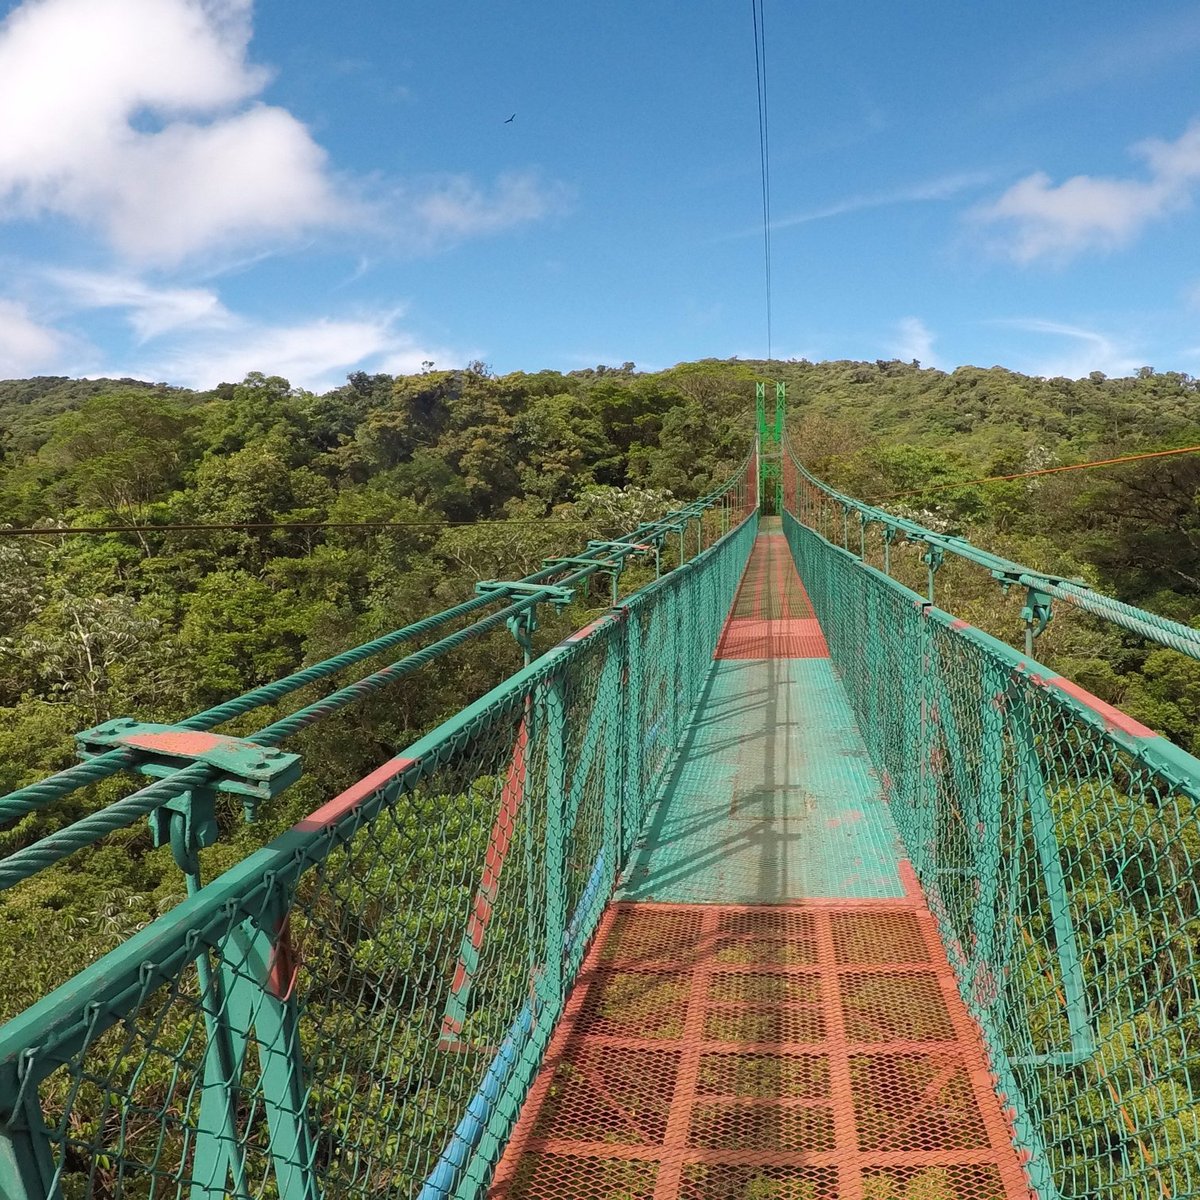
x: 246, y: 769
x: 601, y: 564
x: 1037, y: 611
x: 188, y: 822
x: 627, y: 547
x: 653, y: 532
x: 550, y: 593
x: 523, y: 625
x: 612, y: 567
x: 654, y: 537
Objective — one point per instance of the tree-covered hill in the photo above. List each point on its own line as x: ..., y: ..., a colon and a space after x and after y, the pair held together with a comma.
x: 157, y: 624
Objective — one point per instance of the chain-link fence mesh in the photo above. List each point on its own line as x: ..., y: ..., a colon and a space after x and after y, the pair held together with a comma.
x: 1058, y: 843
x: 358, y: 1008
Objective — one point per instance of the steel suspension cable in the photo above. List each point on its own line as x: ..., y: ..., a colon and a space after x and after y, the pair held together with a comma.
x: 764, y: 151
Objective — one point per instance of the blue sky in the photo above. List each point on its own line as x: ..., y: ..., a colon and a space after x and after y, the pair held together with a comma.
x: 193, y: 189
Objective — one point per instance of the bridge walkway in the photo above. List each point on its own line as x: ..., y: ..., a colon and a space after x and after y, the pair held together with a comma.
x: 766, y: 1010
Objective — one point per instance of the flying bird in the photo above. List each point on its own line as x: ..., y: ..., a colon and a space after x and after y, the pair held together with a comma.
x: 511, y: 119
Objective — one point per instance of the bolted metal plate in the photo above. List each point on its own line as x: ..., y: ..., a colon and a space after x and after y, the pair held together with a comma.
x: 247, y: 769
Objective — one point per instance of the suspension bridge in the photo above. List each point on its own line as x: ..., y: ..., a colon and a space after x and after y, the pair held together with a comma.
x: 774, y: 880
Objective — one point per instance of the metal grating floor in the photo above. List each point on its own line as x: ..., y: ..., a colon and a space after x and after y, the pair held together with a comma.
x: 772, y: 617
x: 771, y: 798
x: 747, y: 1053
x: 766, y: 1012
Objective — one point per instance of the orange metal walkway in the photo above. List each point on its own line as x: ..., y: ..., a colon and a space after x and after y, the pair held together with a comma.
x: 810, y: 1050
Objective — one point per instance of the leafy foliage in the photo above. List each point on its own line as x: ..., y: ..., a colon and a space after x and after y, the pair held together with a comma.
x: 156, y: 624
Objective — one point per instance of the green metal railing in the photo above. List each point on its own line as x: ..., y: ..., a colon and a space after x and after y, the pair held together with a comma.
x: 1057, y: 842
x: 554, y: 583
x: 850, y: 523
x: 358, y: 1007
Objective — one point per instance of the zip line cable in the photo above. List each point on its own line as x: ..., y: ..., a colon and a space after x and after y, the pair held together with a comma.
x: 1083, y: 466
x: 764, y: 152
x: 69, y: 530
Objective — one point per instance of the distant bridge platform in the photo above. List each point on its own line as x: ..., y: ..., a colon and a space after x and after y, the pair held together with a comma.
x: 767, y: 1010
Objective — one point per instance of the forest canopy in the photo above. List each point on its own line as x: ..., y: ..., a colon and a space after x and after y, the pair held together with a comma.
x: 158, y: 624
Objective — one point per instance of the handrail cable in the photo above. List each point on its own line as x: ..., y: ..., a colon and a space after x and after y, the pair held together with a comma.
x: 89, y: 829
x: 282, y: 526
x: 1161, y: 630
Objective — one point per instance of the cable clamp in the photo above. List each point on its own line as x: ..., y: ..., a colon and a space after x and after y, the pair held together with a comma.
x: 245, y: 768
x: 188, y: 822
x: 523, y: 625
x: 548, y: 593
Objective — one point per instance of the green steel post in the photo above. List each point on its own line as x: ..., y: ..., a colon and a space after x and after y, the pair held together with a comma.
x: 686, y: 634
x: 615, y: 787
x: 988, y: 829
x: 921, y: 798
x: 556, y: 799
x: 632, y: 733
x: 27, y: 1170
x: 760, y: 407
x: 252, y: 964
x: 934, y: 556
x: 215, y: 1155
x: 780, y: 409
x: 1049, y: 856
x: 533, y: 717
x: 910, y: 770
x: 673, y: 678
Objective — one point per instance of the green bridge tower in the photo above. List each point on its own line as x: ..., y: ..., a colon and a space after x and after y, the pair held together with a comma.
x: 770, y: 448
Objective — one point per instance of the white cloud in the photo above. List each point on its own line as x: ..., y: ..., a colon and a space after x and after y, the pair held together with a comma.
x: 914, y: 339
x: 454, y: 208
x: 26, y: 347
x: 1105, y: 56
x: 121, y: 114
x: 140, y: 119
x: 314, y: 354
x: 1085, y: 350
x: 941, y: 187
x: 152, y: 311
x: 1047, y: 220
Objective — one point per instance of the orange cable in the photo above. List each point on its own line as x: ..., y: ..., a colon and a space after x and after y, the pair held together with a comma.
x: 1099, y: 462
